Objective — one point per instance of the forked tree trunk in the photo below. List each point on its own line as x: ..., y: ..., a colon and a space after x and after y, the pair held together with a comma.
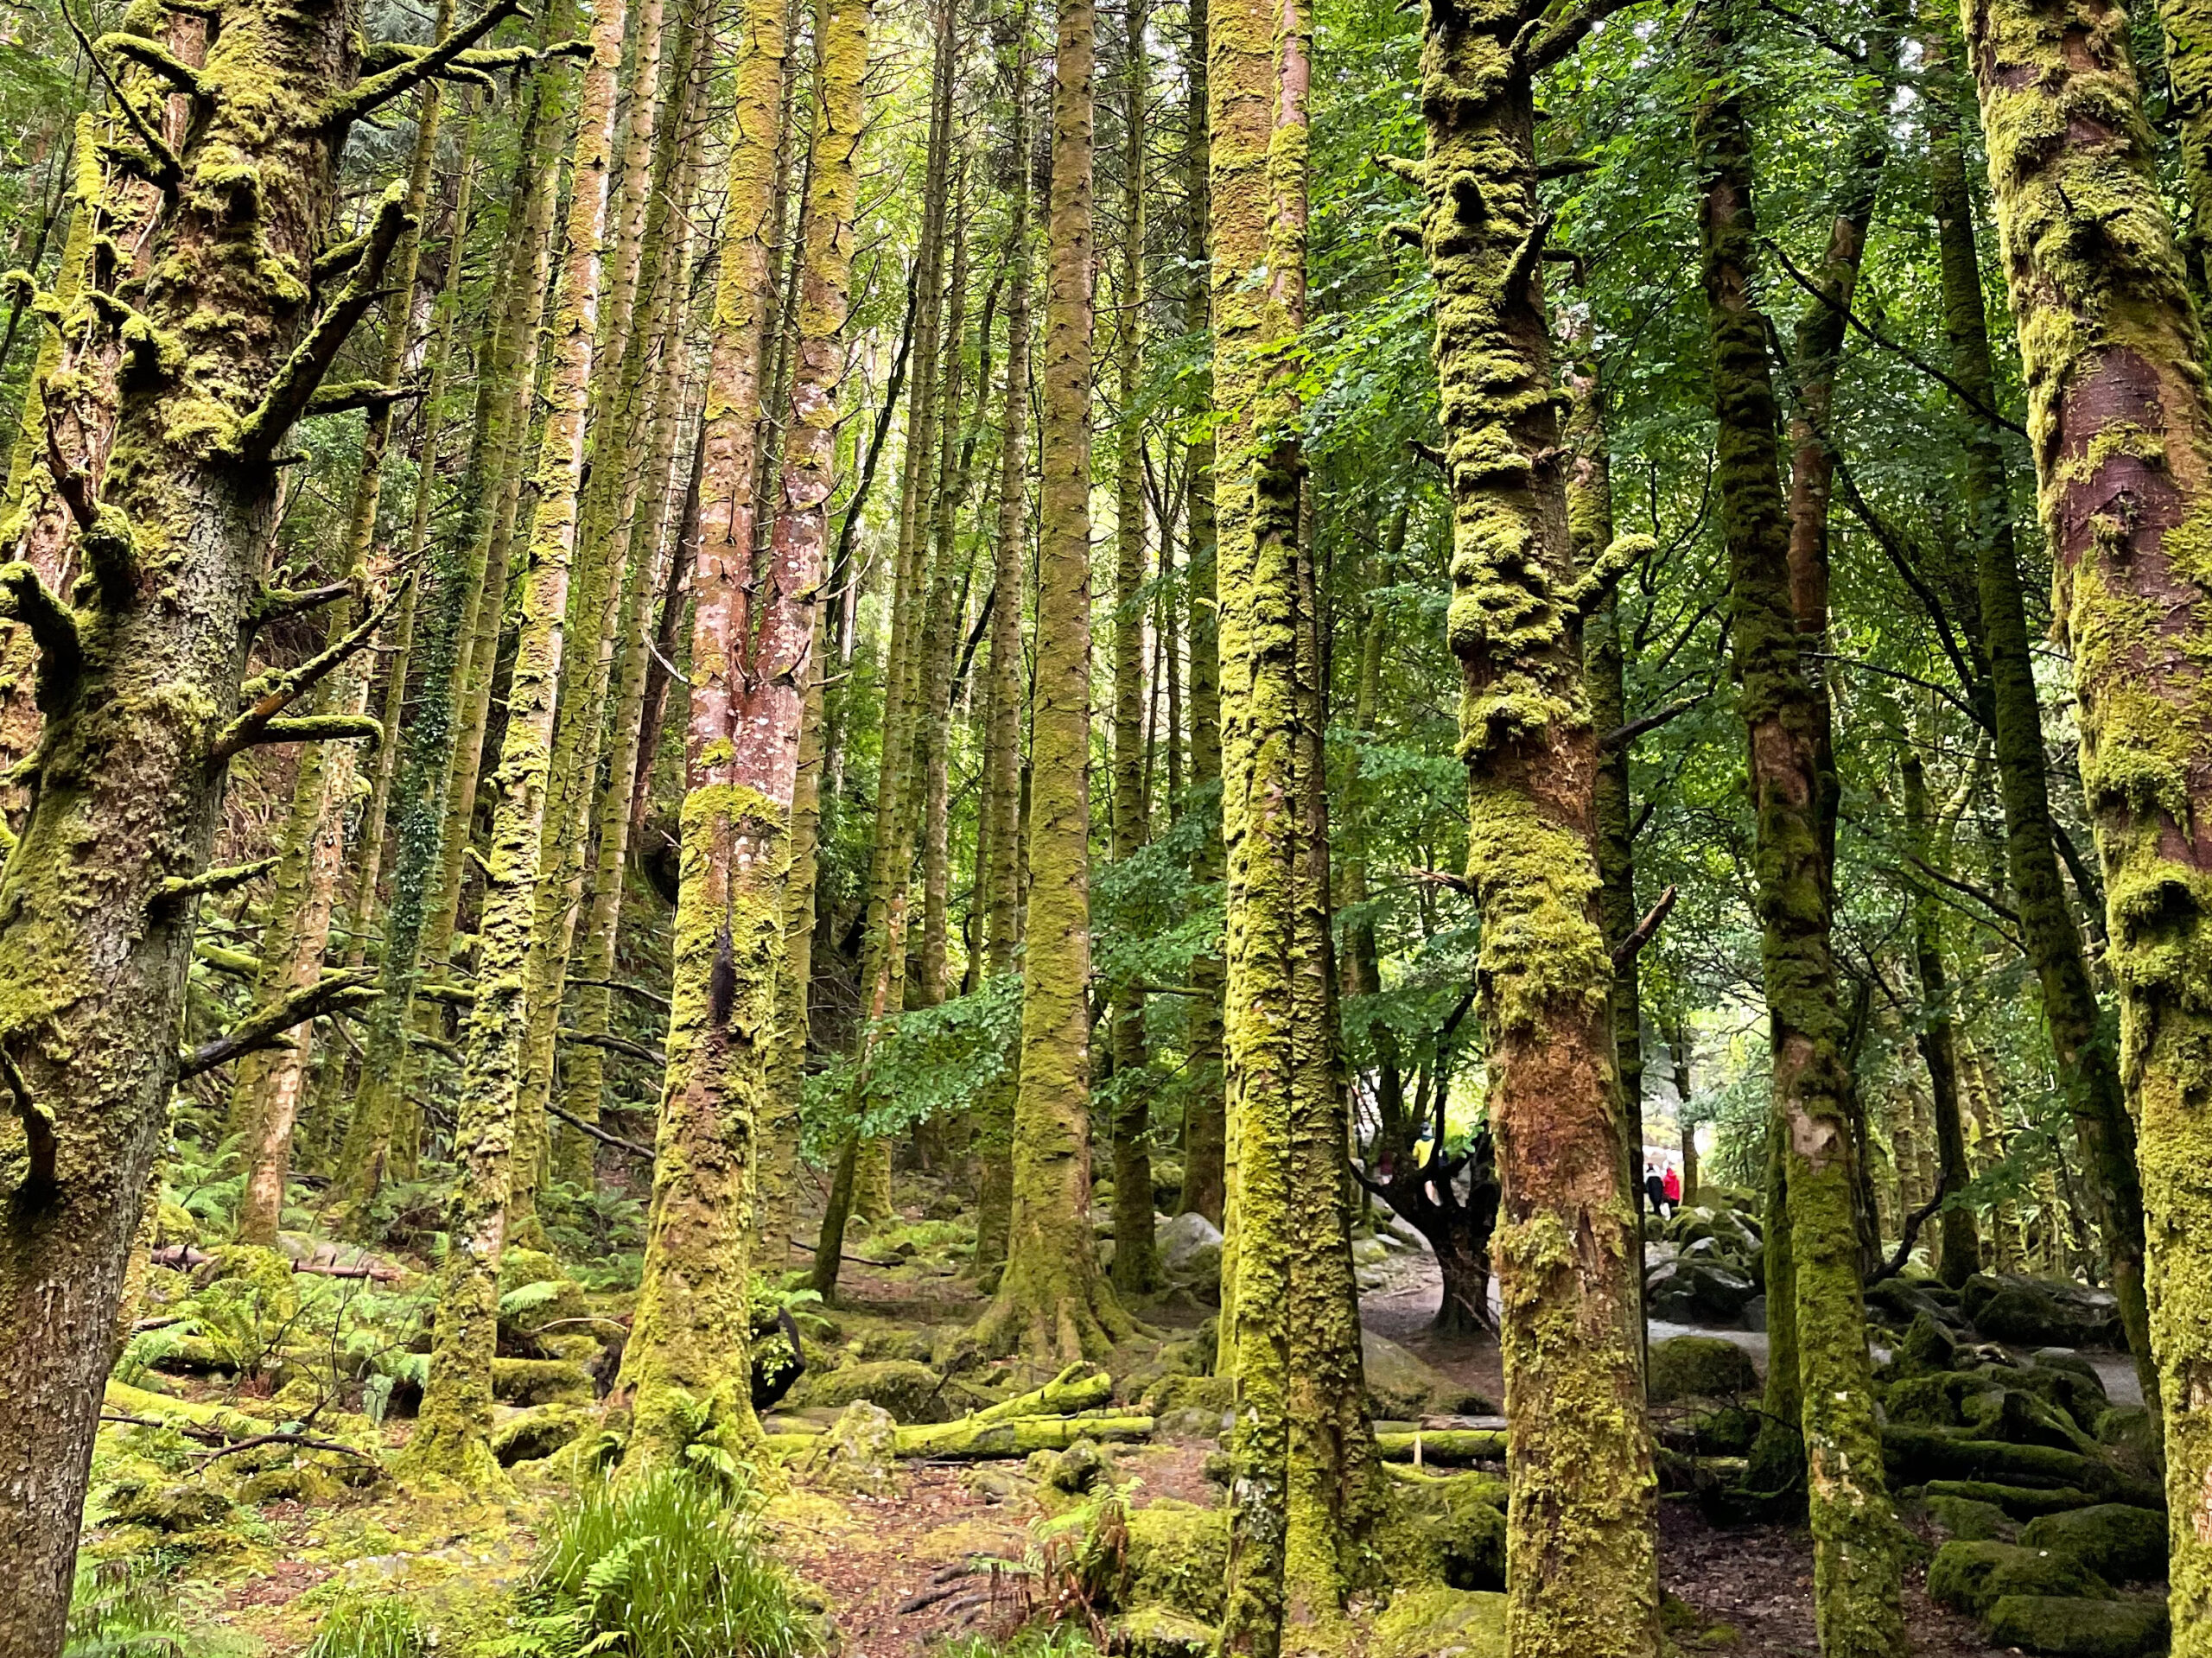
x: 751, y: 644
x: 1856, y: 1561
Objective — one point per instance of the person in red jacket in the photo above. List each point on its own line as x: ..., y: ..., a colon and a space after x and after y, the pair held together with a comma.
x: 1672, y: 1186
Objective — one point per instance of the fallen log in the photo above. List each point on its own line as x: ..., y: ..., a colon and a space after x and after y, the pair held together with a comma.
x: 182, y: 1257
x: 1451, y: 1447
x: 1078, y: 1387
x: 977, y: 1441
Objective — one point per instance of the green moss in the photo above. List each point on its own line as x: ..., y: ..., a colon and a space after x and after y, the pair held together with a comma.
x: 1683, y: 1367
x: 1971, y: 1578
x: 1430, y: 1623
x: 2071, y: 1628
x: 2119, y: 1543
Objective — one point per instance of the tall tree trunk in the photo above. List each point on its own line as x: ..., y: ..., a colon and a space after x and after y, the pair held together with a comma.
x: 1135, y: 1262
x: 651, y: 526
x: 751, y: 650
x: 2082, y: 1039
x: 1303, y: 1493
x: 1856, y: 1563
x: 999, y: 855
x: 1052, y: 1304
x: 1204, y: 1125
x: 1580, y: 1569
x: 452, y: 1438
x: 138, y: 683
x: 2122, y: 436
x: 464, y: 589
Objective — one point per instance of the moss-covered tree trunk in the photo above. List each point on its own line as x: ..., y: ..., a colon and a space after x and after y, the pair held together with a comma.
x: 1053, y: 1305
x: 1856, y: 1560
x: 2082, y: 1038
x: 139, y: 685
x: 651, y: 395
x: 2122, y: 437
x: 1135, y: 1262
x: 999, y: 854
x: 753, y: 637
x: 451, y: 1438
x: 1303, y: 1485
x: 1958, y: 1256
x: 1204, y: 1128
x: 464, y: 566
x: 1579, y: 1562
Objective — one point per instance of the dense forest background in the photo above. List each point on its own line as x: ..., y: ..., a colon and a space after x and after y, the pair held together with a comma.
x: 1094, y: 726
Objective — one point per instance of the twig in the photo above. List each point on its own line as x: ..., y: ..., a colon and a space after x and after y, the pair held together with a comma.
x: 595, y: 1132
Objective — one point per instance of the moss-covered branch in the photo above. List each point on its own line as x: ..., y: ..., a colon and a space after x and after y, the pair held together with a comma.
x: 293, y: 386
x: 333, y: 993
x: 257, y: 723
x: 152, y: 55
x: 53, y: 627
x: 377, y: 90
x: 226, y: 878
x: 357, y: 394
x: 278, y: 602
x: 973, y: 1440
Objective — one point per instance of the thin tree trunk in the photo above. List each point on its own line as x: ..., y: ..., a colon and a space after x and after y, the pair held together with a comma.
x: 750, y: 656
x: 1857, y: 1566
x: 999, y: 855
x: 2111, y: 355
x: 1302, y: 1491
x: 1135, y: 1264
x: 452, y: 1436
x: 1204, y: 1125
x: 1053, y: 1302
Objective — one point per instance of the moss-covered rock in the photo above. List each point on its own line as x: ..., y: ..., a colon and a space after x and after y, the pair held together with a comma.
x: 1440, y: 1622
x: 540, y: 1381
x: 858, y: 1454
x: 1699, y: 1367
x: 2018, y: 1417
x: 178, y: 1506
x: 539, y: 1431
x: 1928, y: 1347
x: 2021, y: 1502
x: 910, y: 1391
x: 1971, y: 1521
x: 295, y: 1482
x: 1971, y: 1578
x: 1698, y: 1292
x: 2119, y: 1543
x: 1158, y: 1632
x: 1403, y: 1389
x: 1175, y: 1556
x: 1215, y: 1394
x: 2078, y: 1628
x: 535, y: 1294
x: 2041, y: 1312
x: 1447, y: 1529
x: 1071, y: 1472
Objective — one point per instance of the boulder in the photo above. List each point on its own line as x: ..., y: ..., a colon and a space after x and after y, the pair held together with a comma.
x: 188, y: 1505
x: 857, y: 1455
x: 1157, y: 1632
x: 1403, y: 1389
x: 540, y: 1381
x: 1697, y: 1291
x: 1928, y: 1347
x: 1894, y: 1301
x: 539, y: 1431
x: 2121, y: 1544
x: 1699, y: 1367
x: 2021, y: 1502
x: 1438, y: 1623
x: 911, y: 1392
x: 1176, y: 1556
x: 1970, y: 1521
x: 2078, y: 1628
x: 1448, y: 1528
x: 1971, y: 1578
x: 2041, y: 1311
x: 1189, y: 1247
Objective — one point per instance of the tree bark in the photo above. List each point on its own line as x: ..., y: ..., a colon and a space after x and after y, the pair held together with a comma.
x: 452, y: 1436
x: 1580, y: 1568
x: 2121, y: 433
x: 1856, y: 1564
x: 1053, y: 1305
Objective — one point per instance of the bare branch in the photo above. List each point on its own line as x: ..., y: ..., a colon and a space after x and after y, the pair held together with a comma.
x: 596, y: 1133
x: 1632, y: 946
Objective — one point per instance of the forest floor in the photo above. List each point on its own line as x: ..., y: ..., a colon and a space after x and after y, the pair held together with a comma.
x: 905, y: 1574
